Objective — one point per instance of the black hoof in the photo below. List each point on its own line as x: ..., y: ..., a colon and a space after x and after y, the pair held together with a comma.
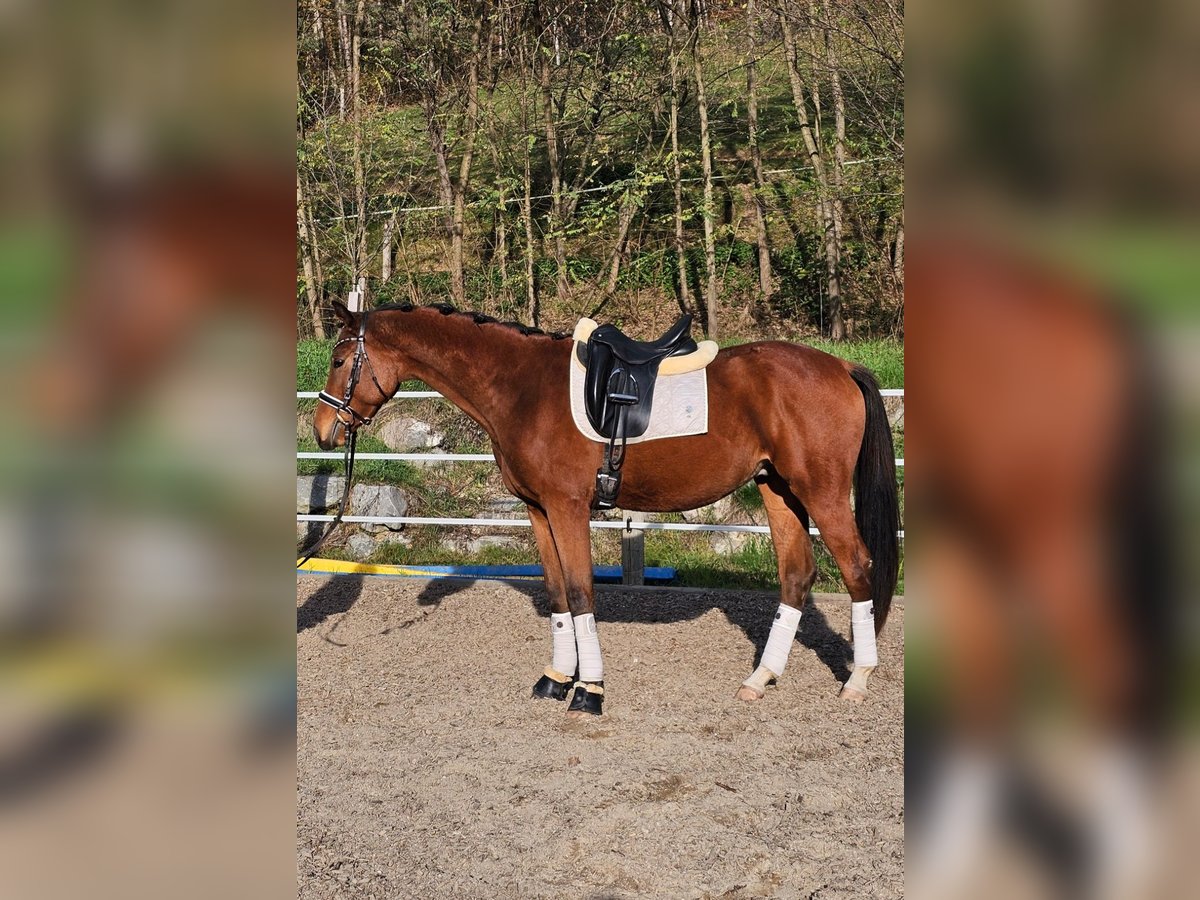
x: 549, y: 689
x: 587, y: 701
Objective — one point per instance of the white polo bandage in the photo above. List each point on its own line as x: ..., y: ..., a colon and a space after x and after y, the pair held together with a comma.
x: 862, y: 623
x: 779, y: 641
x: 591, y: 666
x: 562, y: 641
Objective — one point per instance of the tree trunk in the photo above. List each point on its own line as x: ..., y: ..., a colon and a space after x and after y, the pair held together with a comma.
x: 677, y: 176
x: 557, y: 224
x: 624, y: 220
x: 527, y: 139
x: 812, y: 145
x: 502, y: 248
x: 760, y: 206
x: 458, y: 286
x: 710, y: 251
x: 527, y: 222
x: 306, y: 256
x: 837, y: 324
x: 389, y: 231
x: 446, y: 195
x: 360, y: 176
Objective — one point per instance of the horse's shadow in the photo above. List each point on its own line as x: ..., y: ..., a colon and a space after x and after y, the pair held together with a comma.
x: 340, y: 592
x: 335, y: 596
x: 751, y: 612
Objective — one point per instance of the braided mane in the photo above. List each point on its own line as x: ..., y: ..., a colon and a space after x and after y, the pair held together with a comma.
x: 447, y: 309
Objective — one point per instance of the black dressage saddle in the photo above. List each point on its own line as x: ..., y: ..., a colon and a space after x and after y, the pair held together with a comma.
x: 619, y: 391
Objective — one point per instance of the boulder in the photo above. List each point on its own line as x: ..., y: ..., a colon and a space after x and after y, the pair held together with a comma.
x: 360, y: 545
x: 728, y: 542
x: 405, y: 434
x: 318, y: 493
x: 378, y: 500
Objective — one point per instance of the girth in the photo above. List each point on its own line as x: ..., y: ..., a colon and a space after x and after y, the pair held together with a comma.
x: 619, y: 392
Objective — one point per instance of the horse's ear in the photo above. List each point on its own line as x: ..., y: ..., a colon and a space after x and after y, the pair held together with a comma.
x: 343, y: 312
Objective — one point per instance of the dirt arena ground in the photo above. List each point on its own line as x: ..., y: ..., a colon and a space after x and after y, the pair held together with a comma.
x: 425, y: 770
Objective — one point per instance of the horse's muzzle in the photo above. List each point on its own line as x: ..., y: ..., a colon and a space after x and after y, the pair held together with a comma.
x: 335, y: 438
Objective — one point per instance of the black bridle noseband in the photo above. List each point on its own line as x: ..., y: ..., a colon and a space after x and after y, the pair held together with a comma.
x: 360, y: 357
x: 351, y: 423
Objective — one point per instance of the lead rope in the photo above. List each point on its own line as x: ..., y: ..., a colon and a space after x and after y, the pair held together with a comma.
x: 348, y: 467
x: 360, y: 354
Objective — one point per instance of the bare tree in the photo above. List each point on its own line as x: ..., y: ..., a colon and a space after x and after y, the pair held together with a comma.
x: 673, y: 20
x: 389, y: 232
x: 837, y: 322
x: 453, y: 189
x: 550, y: 116
x: 311, y: 281
x: 760, y: 206
x: 710, y: 250
x: 817, y: 160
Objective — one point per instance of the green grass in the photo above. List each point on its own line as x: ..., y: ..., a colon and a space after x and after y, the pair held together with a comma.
x: 883, y: 357
x: 312, y: 364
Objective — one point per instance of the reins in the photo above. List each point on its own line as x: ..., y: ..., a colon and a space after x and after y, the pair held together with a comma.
x: 351, y: 425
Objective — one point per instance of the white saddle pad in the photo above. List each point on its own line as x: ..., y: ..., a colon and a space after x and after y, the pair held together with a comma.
x: 680, y: 405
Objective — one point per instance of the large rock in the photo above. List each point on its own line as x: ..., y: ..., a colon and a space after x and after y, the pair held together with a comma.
x: 321, y: 494
x: 318, y: 493
x: 361, y: 544
x: 728, y: 543
x: 378, y: 500
x: 405, y: 434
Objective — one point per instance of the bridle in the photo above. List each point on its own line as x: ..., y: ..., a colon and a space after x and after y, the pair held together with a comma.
x: 360, y: 356
x: 351, y: 423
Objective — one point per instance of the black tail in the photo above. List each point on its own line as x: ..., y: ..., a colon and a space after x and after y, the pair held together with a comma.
x: 877, y: 501
x: 1140, y: 521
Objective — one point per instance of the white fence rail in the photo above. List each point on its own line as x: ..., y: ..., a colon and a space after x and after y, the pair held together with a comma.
x: 633, y: 528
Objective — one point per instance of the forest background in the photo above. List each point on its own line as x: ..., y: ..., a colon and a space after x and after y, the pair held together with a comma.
x: 540, y: 161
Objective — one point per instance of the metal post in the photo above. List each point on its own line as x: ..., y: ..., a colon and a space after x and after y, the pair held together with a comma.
x: 633, y: 551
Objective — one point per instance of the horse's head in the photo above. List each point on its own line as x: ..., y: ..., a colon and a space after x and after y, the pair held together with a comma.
x: 353, y: 393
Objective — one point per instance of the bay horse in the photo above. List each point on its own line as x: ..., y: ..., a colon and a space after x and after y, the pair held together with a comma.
x: 805, y: 426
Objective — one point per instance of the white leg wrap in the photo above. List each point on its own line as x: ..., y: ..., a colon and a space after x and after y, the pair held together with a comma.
x: 758, y: 679
x: 562, y: 640
x: 862, y: 623
x: 779, y: 642
x: 591, y: 666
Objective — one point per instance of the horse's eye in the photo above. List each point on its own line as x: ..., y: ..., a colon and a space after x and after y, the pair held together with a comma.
x: 337, y: 363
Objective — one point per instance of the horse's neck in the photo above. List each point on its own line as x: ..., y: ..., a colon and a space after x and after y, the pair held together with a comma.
x: 477, y: 368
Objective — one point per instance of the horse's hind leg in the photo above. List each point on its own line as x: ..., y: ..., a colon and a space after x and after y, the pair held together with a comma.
x: 797, y: 572
x: 835, y: 519
x: 556, y: 680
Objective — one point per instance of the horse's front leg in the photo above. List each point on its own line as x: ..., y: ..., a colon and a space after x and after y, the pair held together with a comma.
x: 556, y: 680
x: 572, y: 540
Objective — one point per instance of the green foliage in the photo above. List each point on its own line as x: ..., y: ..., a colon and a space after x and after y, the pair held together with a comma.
x: 883, y: 357
x: 312, y: 364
